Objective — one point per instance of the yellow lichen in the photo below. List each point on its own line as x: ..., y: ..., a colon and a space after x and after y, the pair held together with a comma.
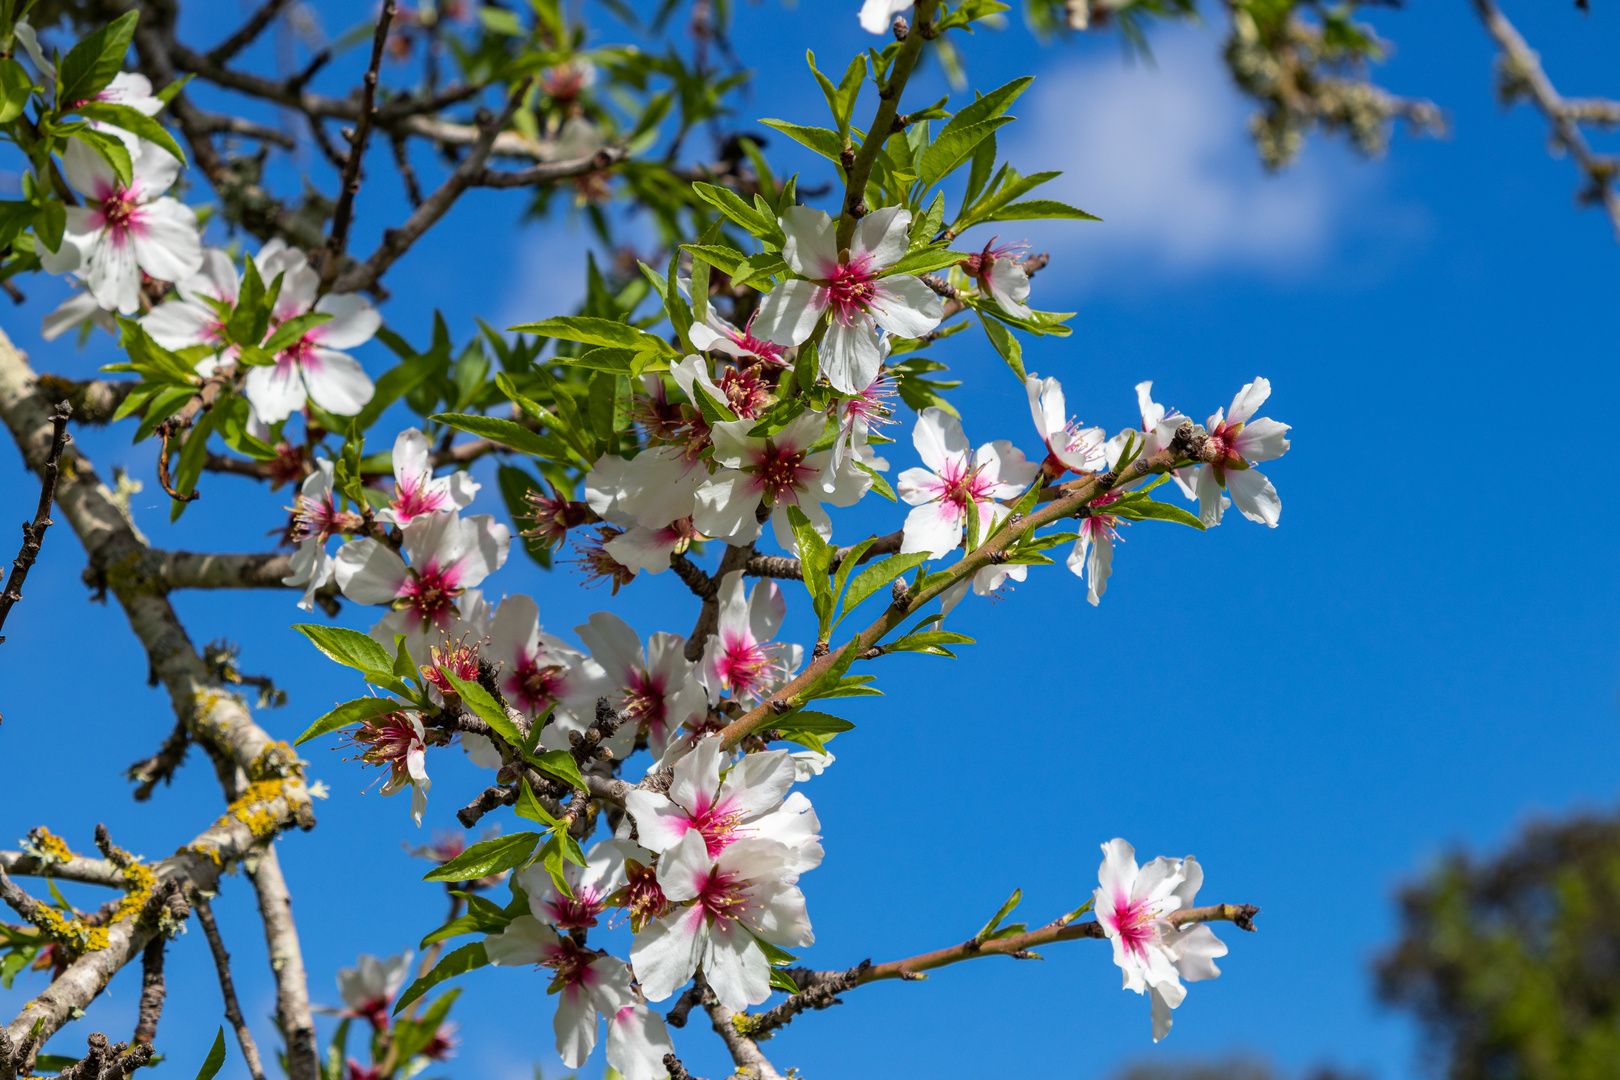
x: 47, y: 846
x: 253, y: 809
x: 278, y: 759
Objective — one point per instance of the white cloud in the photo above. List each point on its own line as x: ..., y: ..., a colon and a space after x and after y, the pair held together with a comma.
x: 1162, y: 154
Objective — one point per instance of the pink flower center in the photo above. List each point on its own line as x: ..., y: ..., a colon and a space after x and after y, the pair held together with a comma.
x: 745, y: 392
x: 718, y: 825
x: 781, y: 474
x: 533, y: 685
x: 570, y: 963
x: 720, y: 895
x: 745, y: 340
x: 578, y: 911
x: 1134, y: 922
x: 388, y: 741
x: 1098, y: 526
x: 644, y: 699
x: 964, y: 485
x: 300, y: 352
x: 744, y: 665
x: 430, y: 595
x: 1223, y: 440
x: 118, y: 213
x: 851, y: 288
x: 870, y: 406
x: 416, y: 495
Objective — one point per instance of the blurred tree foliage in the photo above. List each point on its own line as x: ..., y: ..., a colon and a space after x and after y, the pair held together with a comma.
x: 1512, y: 964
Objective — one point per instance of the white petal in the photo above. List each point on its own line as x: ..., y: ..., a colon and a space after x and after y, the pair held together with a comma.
x: 735, y: 967
x: 1251, y: 397
x: 275, y: 391
x: 903, y: 305
x: 354, y: 321
x: 933, y: 527
x: 369, y: 572
x: 337, y: 383
x: 939, y: 439
x: 667, y: 951
x: 1254, y: 496
x: 789, y: 312
x: 1263, y: 439
x: 575, y: 1026
x: 882, y: 236
x: 725, y: 507
x: 850, y: 356
x: 166, y: 242
x: 811, y: 248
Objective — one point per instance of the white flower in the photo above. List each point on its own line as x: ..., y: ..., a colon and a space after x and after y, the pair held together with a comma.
x: 1068, y: 445
x: 1093, y: 554
x: 132, y: 89
x: 740, y: 657
x: 398, y: 742
x: 878, y: 15
x: 748, y: 804
x: 854, y: 291
x: 1239, y: 442
x: 121, y: 231
x: 639, y: 548
x: 188, y: 319
x: 370, y: 987
x: 313, y: 368
x: 448, y: 556
x: 315, y: 519
x: 652, y: 489
x: 985, y: 581
x: 779, y: 469
x: 1132, y: 905
x: 720, y: 906
x: 592, y: 885
x: 653, y: 685
x: 416, y: 490
x: 587, y: 983
x: 715, y: 335
x: 955, y: 479
x: 637, y: 1042
x: 1000, y: 274
x: 538, y: 671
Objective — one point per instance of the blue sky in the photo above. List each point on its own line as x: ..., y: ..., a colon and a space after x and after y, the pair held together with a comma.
x: 1421, y: 656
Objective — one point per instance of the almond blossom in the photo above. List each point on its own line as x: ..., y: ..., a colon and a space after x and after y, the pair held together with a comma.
x: 852, y: 288
x: 751, y: 802
x: 657, y: 486
x: 448, y: 555
x: 397, y: 741
x: 654, y: 686
x: 591, y: 885
x: 316, y: 519
x: 1238, y: 442
x: 778, y: 470
x: 1132, y: 904
x: 1068, y: 445
x: 536, y: 670
x: 715, y: 335
x: 187, y: 318
x: 314, y: 368
x: 369, y: 988
x: 721, y: 905
x: 740, y: 657
x: 587, y: 983
x: 642, y: 549
x: 1000, y: 274
x: 416, y: 490
x: 953, y: 480
x: 123, y: 230
x: 1092, y: 556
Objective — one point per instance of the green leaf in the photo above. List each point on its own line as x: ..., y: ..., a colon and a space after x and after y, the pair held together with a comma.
x: 357, y: 711
x: 457, y: 962
x: 876, y: 577
x: 482, y: 917
x: 815, y: 556
x: 1039, y: 210
x: 824, y: 142
x: 589, y: 331
x: 216, y: 1053
x: 561, y: 764
x: 954, y: 147
x: 529, y: 807
x: 486, y: 708
x: 846, y: 567
x: 348, y: 647
x: 726, y: 258
x: 167, y: 94
x: 991, y: 105
x: 487, y: 857
x: 506, y: 432
x: 931, y: 642
x: 110, y: 149
x: 781, y: 981
x: 730, y: 204
x: 16, y: 85
x: 133, y: 121
x: 91, y: 64
x: 1002, y: 913
x: 1151, y: 509
x: 1005, y: 344
x: 294, y: 329
x: 193, y: 456
x: 812, y: 729
x: 924, y: 260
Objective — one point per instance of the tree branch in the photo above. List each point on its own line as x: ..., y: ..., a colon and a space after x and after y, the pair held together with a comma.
x: 551, y: 171
x: 153, y: 990
x: 34, y: 531
x: 1521, y: 75
x: 233, y: 1010
x: 249, y: 31
x: 343, y: 214
x: 397, y: 241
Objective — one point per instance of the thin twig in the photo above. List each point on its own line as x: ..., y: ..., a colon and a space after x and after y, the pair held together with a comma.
x: 551, y: 171
x: 397, y: 241
x: 343, y: 214
x: 34, y: 531
x: 153, y: 990
x: 250, y: 30
x: 167, y: 430
x: 222, y: 963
